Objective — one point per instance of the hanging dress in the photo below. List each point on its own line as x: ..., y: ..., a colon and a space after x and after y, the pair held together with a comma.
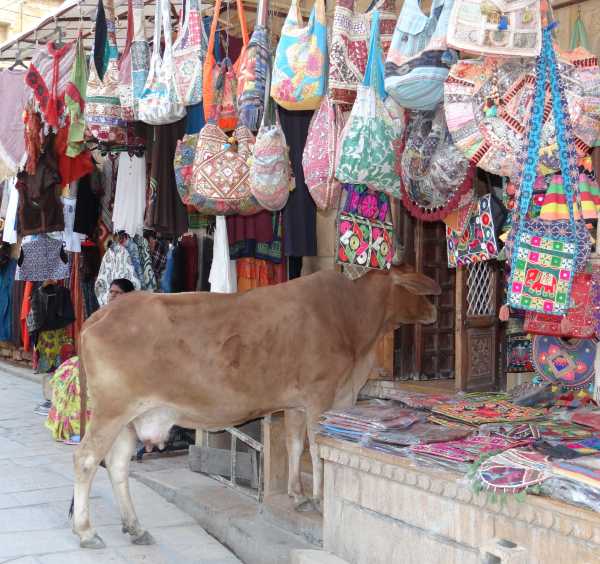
x: 130, y: 195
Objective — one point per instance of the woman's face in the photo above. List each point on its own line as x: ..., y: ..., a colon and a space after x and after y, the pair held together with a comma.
x: 114, y: 292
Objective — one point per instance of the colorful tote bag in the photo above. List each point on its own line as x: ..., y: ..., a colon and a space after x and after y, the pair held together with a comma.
x: 270, y: 169
x: 542, y: 267
x: 367, y: 154
x: 478, y: 242
x: 418, y: 60
x: 320, y: 155
x: 220, y: 179
x: 579, y: 320
x: 554, y: 204
x: 488, y: 103
x: 507, y: 28
x: 188, y: 55
x: 103, y: 115
x: 564, y: 363
x: 300, y: 70
x: 365, y: 236
x: 349, y: 46
x: 228, y: 113
x: 434, y: 173
x: 159, y: 103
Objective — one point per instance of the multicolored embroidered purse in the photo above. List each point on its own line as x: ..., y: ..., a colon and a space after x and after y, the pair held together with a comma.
x: 434, y: 172
x: 188, y: 55
x: 542, y: 267
x: 564, y: 363
x: 300, y: 69
x: 478, y: 242
x: 349, y: 47
x: 579, y: 319
x: 418, y: 60
x: 507, y: 28
x: 320, y: 155
x: 365, y: 236
x: 367, y: 154
x: 103, y: 115
x: 159, y: 103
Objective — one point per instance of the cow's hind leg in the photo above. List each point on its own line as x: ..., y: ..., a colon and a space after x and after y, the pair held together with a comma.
x: 96, y: 443
x: 295, y: 435
x: 312, y: 423
x: 117, y: 464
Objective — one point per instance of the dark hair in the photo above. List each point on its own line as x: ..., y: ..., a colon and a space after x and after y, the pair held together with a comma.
x: 124, y: 284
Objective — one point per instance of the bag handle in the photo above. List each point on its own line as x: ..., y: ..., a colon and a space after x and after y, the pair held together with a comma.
x: 243, y: 22
x: 270, y: 115
x: 374, y: 71
x: 130, y: 32
x: 166, y: 22
x: 213, y: 28
x: 157, y: 29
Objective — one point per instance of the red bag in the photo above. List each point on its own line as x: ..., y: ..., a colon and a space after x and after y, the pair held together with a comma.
x: 579, y: 320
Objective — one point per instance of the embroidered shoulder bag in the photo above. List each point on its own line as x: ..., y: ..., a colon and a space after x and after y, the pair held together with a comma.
x: 300, y: 67
x: 543, y: 265
x: 350, y: 45
x: 508, y: 28
x: 270, y: 168
x: 320, y: 155
x: 367, y: 153
x: 188, y: 55
x: 220, y: 179
x: 365, y: 234
x: 159, y: 104
x: 228, y: 113
x: 103, y: 115
x: 418, y: 60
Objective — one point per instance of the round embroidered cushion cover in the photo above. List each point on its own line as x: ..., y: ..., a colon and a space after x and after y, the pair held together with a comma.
x: 565, y: 363
x: 488, y: 104
x: 349, y: 46
x: 434, y: 172
x: 418, y: 59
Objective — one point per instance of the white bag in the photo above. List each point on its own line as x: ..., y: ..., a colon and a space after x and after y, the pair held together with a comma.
x: 159, y: 103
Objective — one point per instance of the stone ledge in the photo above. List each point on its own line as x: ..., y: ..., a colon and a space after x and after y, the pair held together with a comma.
x: 564, y: 519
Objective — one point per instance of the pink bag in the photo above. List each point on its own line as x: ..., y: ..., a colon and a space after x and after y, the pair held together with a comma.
x: 320, y: 155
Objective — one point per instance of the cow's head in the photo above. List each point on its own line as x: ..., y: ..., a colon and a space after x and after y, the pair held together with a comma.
x: 409, y: 304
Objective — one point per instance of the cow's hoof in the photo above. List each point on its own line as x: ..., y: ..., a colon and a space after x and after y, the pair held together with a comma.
x: 95, y: 542
x: 304, y: 506
x: 144, y: 539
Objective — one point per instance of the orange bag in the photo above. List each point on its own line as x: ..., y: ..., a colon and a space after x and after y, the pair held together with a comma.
x: 228, y: 116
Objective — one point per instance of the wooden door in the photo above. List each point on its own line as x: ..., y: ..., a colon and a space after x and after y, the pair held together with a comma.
x: 477, y: 326
x: 426, y: 352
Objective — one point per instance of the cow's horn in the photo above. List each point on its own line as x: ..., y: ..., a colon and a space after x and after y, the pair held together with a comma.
x: 398, y: 258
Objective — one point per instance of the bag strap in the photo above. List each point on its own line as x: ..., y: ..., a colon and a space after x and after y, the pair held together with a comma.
x: 130, y: 32
x: 157, y: 29
x: 270, y: 116
x: 243, y: 22
x: 213, y: 28
x: 166, y: 22
x: 374, y: 71
x: 100, y: 40
x: 139, y: 31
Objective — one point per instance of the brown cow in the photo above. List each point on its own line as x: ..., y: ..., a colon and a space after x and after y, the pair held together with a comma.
x: 213, y: 361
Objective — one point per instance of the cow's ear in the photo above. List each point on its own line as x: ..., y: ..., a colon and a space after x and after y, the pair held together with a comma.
x: 417, y: 283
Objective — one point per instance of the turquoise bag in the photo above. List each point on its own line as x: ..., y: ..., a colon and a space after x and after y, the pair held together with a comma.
x: 419, y: 60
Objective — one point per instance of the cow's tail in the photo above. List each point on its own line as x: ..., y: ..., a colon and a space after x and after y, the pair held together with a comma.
x: 72, y: 507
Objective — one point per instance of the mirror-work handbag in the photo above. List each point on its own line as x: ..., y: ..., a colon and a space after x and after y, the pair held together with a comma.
x: 300, y: 68
x: 350, y: 45
x: 509, y: 28
x: 103, y: 115
x: 365, y: 235
x: 159, y: 103
x: 543, y: 266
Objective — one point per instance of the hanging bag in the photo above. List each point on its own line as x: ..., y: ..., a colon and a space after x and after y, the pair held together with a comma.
x: 320, y: 155
x: 159, y: 104
x: 188, y: 55
x: 228, y: 113
x: 220, y: 179
x: 365, y: 234
x: 300, y: 69
x: 506, y: 28
x: 103, y: 114
x: 350, y: 45
x: 367, y: 153
x: 270, y: 169
x: 125, y: 78
x: 543, y: 264
x: 418, y: 60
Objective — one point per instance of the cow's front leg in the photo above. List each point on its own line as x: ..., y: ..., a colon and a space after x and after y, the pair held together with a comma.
x: 87, y: 457
x: 117, y: 464
x: 295, y: 435
x: 317, y: 464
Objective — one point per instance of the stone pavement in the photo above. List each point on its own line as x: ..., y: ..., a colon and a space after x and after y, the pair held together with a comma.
x: 36, y: 476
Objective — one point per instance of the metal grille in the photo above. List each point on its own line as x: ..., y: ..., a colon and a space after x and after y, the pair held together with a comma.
x: 479, y: 289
